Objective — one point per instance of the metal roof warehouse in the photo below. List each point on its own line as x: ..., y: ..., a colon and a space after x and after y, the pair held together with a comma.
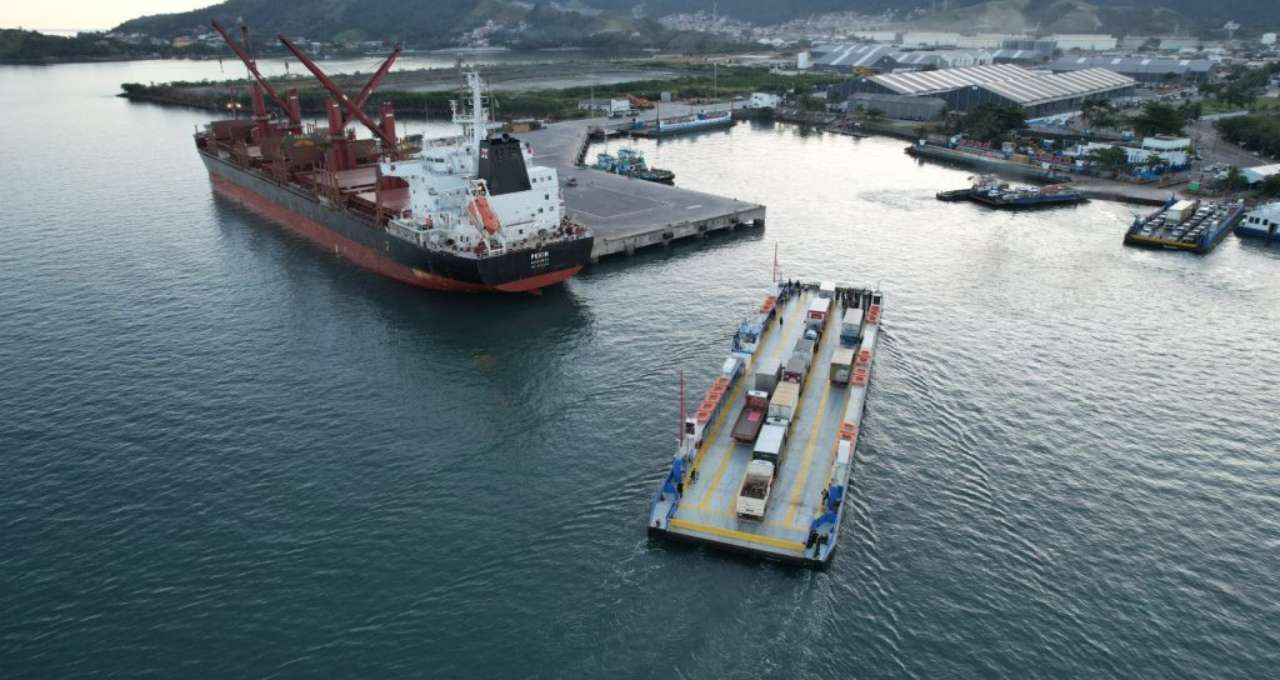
x: 1144, y: 69
x: 963, y: 89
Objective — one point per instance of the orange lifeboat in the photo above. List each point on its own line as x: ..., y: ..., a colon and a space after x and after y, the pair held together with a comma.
x: 483, y: 213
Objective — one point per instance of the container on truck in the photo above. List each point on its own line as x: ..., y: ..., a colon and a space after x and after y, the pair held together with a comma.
x: 851, y: 327
x: 795, y: 370
x: 842, y: 365
x: 752, y: 416
x: 753, y: 495
x: 768, y: 373
x: 816, y: 315
x: 782, y: 407
x: 619, y: 107
x: 803, y: 348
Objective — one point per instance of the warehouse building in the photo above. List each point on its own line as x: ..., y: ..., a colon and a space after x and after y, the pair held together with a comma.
x: 964, y: 89
x: 898, y: 107
x: 885, y: 58
x: 1008, y: 56
x: 1141, y: 69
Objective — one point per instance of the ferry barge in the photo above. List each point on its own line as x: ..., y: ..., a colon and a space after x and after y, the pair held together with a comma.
x: 794, y: 385
x: 990, y: 191
x: 1191, y: 225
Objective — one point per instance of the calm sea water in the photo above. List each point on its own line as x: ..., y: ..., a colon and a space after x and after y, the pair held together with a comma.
x: 227, y: 454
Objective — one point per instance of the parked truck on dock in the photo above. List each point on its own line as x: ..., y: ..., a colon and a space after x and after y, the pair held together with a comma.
x: 752, y: 416
x: 753, y: 495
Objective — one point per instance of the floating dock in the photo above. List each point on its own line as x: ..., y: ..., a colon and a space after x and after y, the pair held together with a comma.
x: 626, y: 213
x: 1191, y: 225
x: 698, y: 500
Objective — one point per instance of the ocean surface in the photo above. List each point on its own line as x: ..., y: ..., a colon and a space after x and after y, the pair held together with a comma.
x: 226, y: 454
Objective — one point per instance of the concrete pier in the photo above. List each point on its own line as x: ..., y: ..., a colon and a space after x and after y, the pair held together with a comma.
x: 625, y: 213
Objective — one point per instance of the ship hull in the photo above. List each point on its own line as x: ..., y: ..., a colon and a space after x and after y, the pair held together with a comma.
x: 360, y: 241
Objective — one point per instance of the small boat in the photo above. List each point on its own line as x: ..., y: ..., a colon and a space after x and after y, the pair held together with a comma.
x: 954, y: 195
x: 1262, y: 222
x: 631, y: 163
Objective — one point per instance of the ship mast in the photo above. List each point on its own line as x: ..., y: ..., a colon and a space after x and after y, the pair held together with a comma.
x: 473, y: 116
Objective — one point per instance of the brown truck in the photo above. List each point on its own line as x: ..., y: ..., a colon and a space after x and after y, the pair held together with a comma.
x: 752, y: 416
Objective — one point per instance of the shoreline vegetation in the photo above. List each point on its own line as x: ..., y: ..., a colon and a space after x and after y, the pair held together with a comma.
x: 521, y: 90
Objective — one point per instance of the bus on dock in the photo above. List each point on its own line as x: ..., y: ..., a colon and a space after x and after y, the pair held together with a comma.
x: 781, y: 495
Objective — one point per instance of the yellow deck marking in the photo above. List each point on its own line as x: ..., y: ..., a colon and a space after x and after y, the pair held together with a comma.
x: 738, y: 535
x: 724, y: 462
x: 817, y: 507
x: 803, y: 474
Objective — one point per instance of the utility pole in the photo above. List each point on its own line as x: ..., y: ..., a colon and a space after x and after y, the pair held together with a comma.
x: 715, y: 81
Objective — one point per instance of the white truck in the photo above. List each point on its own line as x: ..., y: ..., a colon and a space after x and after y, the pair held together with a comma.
x: 842, y: 365
x: 816, y: 316
x: 619, y: 108
x: 851, y: 327
x: 753, y: 496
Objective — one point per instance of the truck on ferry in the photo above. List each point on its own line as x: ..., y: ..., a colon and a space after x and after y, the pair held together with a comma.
x: 757, y: 483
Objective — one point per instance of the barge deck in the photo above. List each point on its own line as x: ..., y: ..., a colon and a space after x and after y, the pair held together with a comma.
x: 801, y: 522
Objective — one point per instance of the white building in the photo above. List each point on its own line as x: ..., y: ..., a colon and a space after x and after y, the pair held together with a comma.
x: 985, y: 41
x: 803, y: 60
x: 1095, y: 42
x: 929, y: 39
x: 1260, y: 172
x: 1268, y: 38
x: 764, y: 100
x: 1138, y: 155
x: 889, y: 37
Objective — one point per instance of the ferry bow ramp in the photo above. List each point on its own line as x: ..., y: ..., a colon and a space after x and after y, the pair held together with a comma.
x: 764, y: 462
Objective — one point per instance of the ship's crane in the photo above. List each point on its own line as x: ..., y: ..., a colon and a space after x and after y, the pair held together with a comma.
x: 352, y: 107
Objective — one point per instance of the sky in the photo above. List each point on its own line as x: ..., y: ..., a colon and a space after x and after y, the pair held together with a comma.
x: 86, y: 14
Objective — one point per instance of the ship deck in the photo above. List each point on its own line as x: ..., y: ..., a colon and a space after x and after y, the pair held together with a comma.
x: 706, y: 510
x: 626, y: 213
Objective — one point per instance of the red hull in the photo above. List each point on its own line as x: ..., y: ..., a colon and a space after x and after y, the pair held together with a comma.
x: 371, y: 259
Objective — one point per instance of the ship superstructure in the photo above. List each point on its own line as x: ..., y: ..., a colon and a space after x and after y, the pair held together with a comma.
x: 467, y: 213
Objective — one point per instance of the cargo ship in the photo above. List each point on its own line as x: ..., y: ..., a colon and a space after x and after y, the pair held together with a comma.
x: 1262, y: 222
x: 1191, y: 225
x: 990, y: 191
x: 631, y: 163
x: 461, y: 214
x: 794, y: 386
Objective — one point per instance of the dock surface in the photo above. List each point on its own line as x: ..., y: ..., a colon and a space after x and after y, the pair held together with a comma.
x: 704, y: 508
x: 626, y: 213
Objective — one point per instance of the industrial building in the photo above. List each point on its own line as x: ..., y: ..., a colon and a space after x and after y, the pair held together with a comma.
x: 964, y: 89
x: 885, y: 58
x: 1008, y: 56
x: 897, y: 106
x: 1141, y: 69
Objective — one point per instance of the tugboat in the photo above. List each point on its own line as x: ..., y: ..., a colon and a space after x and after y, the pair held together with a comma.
x: 989, y: 190
x: 631, y: 163
x: 460, y: 214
